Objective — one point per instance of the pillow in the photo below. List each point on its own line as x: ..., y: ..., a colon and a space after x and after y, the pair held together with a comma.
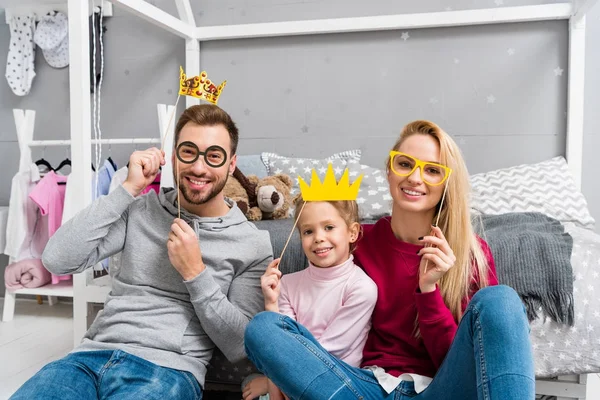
x: 252, y: 165
x: 546, y: 187
x: 269, y: 158
x: 374, y: 199
x: 294, y: 167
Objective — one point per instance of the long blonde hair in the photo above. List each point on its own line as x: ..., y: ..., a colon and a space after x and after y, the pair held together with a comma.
x: 455, y: 219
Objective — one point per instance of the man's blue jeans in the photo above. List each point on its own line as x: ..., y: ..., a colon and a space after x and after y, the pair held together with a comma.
x: 490, y: 358
x: 108, y: 375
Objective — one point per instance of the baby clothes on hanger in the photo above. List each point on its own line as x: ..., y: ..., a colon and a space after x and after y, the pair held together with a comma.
x: 49, y: 195
x: 154, y: 186
x: 118, y: 178
x: 26, y: 232
x: 105, y: 175
x: 52, y: 37
x: 21, y: 54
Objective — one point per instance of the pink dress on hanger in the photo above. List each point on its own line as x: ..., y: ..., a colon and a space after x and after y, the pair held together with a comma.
x: 49, y: 195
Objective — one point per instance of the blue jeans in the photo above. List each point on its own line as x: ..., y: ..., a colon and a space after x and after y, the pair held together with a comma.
x: 490, y: 358
x: 107, y: 375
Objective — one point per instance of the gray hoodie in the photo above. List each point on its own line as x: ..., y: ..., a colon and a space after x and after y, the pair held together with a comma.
x: 151, y: 312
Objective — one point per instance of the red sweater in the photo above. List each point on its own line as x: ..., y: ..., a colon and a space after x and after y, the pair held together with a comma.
x: 394, y: 267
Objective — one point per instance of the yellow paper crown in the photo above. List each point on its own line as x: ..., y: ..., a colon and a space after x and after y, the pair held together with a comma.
x: 329, y: 190
x: 200, y: 87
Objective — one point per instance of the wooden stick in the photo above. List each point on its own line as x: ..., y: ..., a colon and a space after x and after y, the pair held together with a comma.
x: 178, y: 189
x: 437, y: 221
x: 291, y: 233
x: 164, y: 135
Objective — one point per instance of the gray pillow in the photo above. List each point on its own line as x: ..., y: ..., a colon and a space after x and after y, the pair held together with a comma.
x: 374, y: 199
x: 302, y: 167
x: 252, y: 165
x: 269, y: 158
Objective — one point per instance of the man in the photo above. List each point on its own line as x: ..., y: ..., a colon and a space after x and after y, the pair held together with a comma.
x: 183, y: 285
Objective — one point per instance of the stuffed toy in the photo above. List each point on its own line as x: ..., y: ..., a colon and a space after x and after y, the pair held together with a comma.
x: 273, y: 195
x: 242, y: 191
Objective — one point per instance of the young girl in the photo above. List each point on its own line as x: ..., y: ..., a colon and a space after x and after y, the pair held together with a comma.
x: 332, y: 298
x: 438, y: 331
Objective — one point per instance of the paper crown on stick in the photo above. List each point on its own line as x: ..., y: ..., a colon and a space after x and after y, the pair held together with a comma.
x: 329, y: 190
x: 200, y: 87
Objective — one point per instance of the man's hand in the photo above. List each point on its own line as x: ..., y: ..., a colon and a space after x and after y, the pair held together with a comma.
x: 270, y: 285
x: 184, y: 250
x: 143, y: 168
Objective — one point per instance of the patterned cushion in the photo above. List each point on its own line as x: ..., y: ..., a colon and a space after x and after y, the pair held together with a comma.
x: 374, y: 199
x: 545, y: 187
x: 220, y: 370
x: 294, y: 167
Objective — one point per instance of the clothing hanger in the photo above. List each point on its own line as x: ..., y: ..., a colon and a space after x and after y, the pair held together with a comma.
x: 109, y: 159
x: 64, y: 163
x: 43, y: 161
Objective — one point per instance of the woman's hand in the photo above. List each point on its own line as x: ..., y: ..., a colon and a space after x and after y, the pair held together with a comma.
x: 270, y: 285
x: 436, y: 259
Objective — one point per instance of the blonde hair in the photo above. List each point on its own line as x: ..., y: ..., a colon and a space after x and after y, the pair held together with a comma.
x: 455, y: 219
x: 348, y: 210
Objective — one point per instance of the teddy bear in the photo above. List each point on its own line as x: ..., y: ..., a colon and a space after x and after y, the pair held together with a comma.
x: 273, y: 195
x: 266, y: 198
x: 243, y: 192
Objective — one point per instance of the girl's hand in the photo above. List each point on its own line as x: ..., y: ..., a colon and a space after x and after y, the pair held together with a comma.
x: 256, y: 388
x: 275, y: 393
x: 436, y: 259
x: 270, y: 285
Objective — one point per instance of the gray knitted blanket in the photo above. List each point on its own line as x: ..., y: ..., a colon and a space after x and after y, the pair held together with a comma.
x: 532, y: 253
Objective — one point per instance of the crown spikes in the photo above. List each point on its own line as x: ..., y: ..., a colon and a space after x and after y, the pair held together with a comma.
x: 200, y: 87
x: 329, y: 190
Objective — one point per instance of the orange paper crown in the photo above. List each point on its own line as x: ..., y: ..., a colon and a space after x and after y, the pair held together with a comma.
x: 200, y: 87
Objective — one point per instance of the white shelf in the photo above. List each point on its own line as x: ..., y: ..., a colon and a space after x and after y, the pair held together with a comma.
x: 62, y: 289
x: 96, y: 294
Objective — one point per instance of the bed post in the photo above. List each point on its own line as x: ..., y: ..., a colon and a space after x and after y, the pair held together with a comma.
x: 81, y: 152
x: 164, y: 112
x: 192, y: 46
x: 574, y: 148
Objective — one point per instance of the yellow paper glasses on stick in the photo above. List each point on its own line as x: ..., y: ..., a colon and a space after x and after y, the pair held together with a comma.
x: 433, y: 174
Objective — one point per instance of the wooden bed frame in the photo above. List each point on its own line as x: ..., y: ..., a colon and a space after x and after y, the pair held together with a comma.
x: 565, y: 387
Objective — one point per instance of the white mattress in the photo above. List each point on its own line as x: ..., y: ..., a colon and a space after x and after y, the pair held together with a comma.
x: 560, y: 349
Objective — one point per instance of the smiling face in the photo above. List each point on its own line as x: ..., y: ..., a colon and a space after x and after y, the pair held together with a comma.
x: 199, y: 183
x: 325, y: 235
x: 411, y: 193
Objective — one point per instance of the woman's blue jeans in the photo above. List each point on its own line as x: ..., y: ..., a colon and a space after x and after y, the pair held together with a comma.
x: 108, y: 374
x: 490, y: 358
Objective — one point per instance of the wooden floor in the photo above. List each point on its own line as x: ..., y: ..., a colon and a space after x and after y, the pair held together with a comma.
x: 40, y: 333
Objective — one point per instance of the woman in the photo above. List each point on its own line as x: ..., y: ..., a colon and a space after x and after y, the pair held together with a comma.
x: 435, y: 334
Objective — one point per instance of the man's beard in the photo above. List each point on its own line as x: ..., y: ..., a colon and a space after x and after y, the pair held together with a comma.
x: 194, y: 197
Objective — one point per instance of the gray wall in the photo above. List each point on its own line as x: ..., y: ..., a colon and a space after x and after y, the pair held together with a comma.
x: 493, y: 87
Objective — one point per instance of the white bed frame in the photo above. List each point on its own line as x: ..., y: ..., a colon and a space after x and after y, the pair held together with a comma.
x: 569, y: 387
